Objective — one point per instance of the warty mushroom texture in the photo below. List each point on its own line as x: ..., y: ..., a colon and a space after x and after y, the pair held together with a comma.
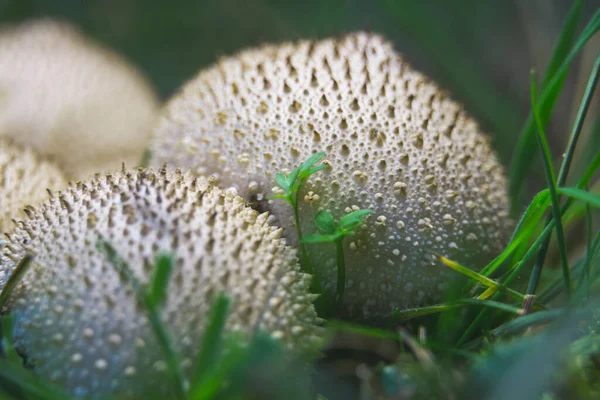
x: 79, y: 324
x: 395, y: 143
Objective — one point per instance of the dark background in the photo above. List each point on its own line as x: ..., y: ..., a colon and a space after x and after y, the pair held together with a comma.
x: 481, y: 50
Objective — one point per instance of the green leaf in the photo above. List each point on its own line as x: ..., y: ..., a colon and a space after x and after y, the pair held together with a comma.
x: 353, y: 220
x: 292, y: 179
x: 310, y: 161
x: 282, y: 181
x: 163, y: 267
x: 317, y: 169
x: 325, y: 222
x: 212, y: 342
x: 318, y: 238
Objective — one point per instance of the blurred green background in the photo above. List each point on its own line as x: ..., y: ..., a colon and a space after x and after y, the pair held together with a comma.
x: 481, y: 50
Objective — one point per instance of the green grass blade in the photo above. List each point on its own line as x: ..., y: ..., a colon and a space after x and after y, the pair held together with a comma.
x: 484, y: 280
x: 8, y: 324
x: 212, y: 342
x: 524, y: 231
x: 519, y: 325
x: 565, y: 39
x: 15, y: 278
x: 160, y: 279
x: 581, y: 195
x: 32, y: 386
x: 404, y: 315
x: 160, y: 330
x: 579, y: 120
x: 556, y: 210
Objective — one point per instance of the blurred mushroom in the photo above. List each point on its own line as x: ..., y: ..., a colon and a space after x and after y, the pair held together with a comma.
x: 70, y: 98
x: 395, y: 142
x: 24, y: 180
x: 78, y: 322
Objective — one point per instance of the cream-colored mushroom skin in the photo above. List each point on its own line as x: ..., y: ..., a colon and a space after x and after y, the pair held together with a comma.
x: 395, y: 144
x: 68, y: 97
x: 24, y: 180
x: 78, y: 322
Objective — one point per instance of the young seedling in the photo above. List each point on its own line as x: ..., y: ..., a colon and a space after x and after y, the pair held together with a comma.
x: 291, y: 185
x: 332, y: 232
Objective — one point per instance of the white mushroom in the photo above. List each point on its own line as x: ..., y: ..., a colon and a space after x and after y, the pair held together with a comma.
x: 72, y: 99
x: 24, y: 180
x: 395, y: 144
x: 79, y: 323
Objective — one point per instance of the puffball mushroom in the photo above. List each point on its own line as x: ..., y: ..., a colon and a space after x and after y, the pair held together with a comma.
x: 395, y: 143
x: 68, y: 97
x: 78, y: 321
x: 24, y: 180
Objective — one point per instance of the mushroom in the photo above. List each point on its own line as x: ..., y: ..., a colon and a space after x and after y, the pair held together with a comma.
x: 72, y: 99
x: 394, y: 141
x: 24, y: 180
x: 77, y: 320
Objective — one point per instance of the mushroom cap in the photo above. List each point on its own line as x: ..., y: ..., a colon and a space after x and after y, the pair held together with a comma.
x: 395, y: 142
x: 24, y: 180
x: 78, y: 322
x: 70, y: 98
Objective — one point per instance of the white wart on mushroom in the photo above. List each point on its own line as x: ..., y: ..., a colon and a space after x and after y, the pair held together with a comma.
x: 395, y: 144
x: 78, y: 322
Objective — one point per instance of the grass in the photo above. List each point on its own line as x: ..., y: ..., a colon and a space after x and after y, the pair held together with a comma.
x: 516, y: 329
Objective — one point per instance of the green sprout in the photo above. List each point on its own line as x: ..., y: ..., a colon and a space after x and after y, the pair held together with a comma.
x: 291, y: 185
x: 335, y: 233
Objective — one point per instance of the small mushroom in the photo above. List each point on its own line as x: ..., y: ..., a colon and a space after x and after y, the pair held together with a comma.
x: 70, y: 98
x: 78, y: 321
x: 395, y: 143
x: 25, y: 178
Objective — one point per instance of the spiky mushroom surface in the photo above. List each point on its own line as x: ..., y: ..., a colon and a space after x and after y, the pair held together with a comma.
x: 70, y: 98
x: 24, y: 180
x: 79, y: 324
x: 395, y: 143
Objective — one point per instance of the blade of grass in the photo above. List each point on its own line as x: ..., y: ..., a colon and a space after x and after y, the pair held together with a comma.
x: 584, y: 281
x: 32, y: 386
x: 523, y: 232
x: 556, y: 210
x: 8, y: 325
x: 159, y: 329
x: 578, y: 194
x: 526, y: 150
x: 404, y: 315
x: 160, y: 279
x: 484, y: 280
x: 212, y: 342
x: 15, y: 278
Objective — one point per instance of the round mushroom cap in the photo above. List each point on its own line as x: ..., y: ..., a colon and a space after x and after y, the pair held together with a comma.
x: 24, y: 180
x: 70, y: 98
x: 78, y: 321
x: 395, y: 143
